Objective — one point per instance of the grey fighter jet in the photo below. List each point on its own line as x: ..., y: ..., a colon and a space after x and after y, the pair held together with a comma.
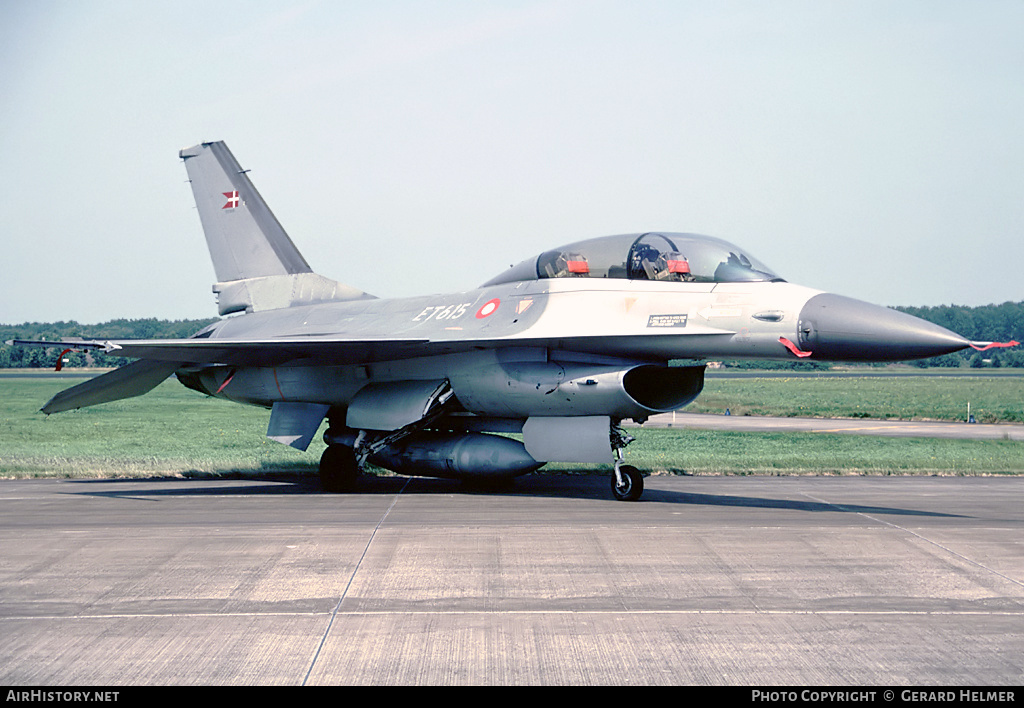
x: 558, y: 350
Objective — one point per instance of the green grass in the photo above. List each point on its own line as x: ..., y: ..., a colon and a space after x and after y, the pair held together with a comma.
x: 169, y: 431
x: 992, y: 399
x: 715, y: 452
x: 174, y: 431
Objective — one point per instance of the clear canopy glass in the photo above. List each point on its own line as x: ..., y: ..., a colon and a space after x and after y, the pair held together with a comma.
x: 650, y: 256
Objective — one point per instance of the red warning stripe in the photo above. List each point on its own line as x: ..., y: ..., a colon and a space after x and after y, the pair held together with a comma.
x: 226, y: 381
x: 994, y: 345
x: 794, y: 348
x: 60, y: 359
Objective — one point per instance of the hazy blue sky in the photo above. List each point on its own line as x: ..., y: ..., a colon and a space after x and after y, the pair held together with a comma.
x: 874, y: 149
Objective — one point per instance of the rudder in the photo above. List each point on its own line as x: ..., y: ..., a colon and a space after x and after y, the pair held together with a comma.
x: 245, y: 238
x: 258, y: 266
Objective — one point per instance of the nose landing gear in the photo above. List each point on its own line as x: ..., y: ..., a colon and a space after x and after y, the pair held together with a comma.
x: 627, y: 481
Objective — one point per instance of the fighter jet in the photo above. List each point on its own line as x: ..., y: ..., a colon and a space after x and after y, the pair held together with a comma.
x: 558, y: 350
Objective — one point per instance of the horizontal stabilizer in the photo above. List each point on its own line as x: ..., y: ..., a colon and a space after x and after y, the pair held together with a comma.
x: 131, y: 380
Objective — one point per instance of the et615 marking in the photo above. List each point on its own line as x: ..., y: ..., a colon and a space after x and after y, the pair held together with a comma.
x: 442, y: 312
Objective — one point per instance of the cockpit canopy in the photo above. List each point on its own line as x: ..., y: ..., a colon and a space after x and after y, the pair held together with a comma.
x: 651, y: 256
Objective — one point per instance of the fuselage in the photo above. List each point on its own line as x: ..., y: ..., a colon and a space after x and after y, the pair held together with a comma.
x: 503, y: 345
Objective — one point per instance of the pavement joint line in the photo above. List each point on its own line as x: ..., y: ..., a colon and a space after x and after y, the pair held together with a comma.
x: 348, y: 585
x: 915, y: 534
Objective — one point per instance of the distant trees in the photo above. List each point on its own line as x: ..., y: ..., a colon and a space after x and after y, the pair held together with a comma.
x: 987, y: 323
x: 39, y: 357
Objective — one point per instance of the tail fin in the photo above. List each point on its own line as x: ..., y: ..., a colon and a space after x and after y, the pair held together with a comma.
x: 245, y: 238
x: 249, y: 247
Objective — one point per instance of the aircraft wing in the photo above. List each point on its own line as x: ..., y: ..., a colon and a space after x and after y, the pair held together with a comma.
x: 333, y: 350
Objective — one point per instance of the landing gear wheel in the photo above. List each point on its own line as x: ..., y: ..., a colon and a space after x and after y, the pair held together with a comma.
x: 338, y: 469
x: 632, y: 485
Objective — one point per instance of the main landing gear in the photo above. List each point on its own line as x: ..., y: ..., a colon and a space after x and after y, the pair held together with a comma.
x: 338, y: 469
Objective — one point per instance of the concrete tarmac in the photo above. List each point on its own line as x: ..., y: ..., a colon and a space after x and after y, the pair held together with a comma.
x: 899, y: 581
x: 846, y: 426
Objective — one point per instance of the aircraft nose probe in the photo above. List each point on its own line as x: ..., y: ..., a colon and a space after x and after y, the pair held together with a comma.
x: 838, y: 327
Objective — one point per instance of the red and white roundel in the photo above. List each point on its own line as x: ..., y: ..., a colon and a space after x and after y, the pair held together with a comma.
x: 488, y: 308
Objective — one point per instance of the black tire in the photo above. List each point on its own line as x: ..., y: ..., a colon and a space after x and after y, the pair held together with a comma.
x: 633, y: 486
x: 338, y: 469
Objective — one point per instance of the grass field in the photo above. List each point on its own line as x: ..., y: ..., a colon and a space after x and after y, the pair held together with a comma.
x: 170, y: 430
x: 176, y: 431
x: 998, y: 399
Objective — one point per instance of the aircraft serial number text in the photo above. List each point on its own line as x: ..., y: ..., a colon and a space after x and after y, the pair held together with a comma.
x: 442, y: 312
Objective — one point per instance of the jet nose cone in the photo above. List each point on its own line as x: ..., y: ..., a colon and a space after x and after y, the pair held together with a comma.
x: 837, y: 327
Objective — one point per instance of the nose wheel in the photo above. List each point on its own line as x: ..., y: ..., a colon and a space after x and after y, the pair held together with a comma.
x: 627, y: 482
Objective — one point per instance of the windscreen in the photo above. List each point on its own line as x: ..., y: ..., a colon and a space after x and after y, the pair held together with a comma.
x: 651, y: 256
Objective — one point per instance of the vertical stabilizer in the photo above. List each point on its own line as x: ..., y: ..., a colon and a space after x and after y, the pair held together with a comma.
x: 244, y: 236
x: 257, y: 265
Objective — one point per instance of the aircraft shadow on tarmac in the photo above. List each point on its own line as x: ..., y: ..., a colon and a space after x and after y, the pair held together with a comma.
x: 790, y: 504
x: 579, y: 486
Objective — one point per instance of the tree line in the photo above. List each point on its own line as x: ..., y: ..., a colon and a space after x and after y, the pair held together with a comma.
x: 40, y: 357
x: 987, y: 323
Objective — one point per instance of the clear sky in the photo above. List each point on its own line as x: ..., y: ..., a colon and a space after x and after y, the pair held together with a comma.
x: 874, y: 149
